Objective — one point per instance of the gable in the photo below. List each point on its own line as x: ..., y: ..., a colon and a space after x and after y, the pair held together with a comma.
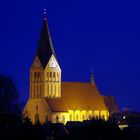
x: 52, y: 63
x: 36, y: 63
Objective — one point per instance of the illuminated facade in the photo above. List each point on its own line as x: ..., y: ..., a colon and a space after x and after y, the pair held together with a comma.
x: 57, y: 101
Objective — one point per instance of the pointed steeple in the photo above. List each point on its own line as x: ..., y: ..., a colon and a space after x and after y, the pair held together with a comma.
x: 92, y: 77
x: 45, y: 46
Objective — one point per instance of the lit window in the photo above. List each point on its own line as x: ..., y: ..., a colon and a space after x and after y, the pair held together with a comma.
x: 124, y: 117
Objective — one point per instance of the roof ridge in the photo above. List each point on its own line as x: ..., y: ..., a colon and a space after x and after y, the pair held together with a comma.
x: 76, y: 82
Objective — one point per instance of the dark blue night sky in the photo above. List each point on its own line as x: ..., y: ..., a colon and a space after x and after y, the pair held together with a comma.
x: 103, y: 35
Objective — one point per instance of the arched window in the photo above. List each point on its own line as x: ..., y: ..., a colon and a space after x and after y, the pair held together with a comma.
x: 57, y: 119
x: 36, y: 118
x: 53, y: 74
x: 50, y: 76
x: 35, y: 74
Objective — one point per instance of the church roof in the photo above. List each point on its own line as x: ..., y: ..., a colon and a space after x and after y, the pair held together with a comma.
x: 56, y: 105
x: 82, y: 96
x: 45, y: 46
x: 77, y: 96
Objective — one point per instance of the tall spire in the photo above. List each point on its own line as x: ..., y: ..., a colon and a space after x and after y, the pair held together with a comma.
x: 45, y: 46
x: 92, y: 76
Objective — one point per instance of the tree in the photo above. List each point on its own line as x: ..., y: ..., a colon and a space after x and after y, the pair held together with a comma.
x: 8, y: 96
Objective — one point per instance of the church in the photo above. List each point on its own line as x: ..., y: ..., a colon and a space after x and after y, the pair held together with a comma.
x: 52, y: 99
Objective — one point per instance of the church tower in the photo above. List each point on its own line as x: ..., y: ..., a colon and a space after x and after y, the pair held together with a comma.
x: 45, y: 72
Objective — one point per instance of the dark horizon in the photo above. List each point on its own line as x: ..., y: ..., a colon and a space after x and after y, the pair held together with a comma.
x: 104, y: 36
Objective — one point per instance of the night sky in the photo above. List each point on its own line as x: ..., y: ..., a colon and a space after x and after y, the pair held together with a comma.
x: 103, y: 35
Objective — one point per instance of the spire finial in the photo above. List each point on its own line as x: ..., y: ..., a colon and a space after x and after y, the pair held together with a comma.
x: 92, y: 76
x: 44, y: 11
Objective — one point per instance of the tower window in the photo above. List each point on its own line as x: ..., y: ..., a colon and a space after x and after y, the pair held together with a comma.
x: 50, y: 74
x: 57, y: 119
x: 53, y: 74
x: 37, y: 74
x: 36, y: 108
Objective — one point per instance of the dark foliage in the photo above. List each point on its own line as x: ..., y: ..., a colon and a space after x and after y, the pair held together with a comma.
x: 8, y: 96
x: 87, y: 130
x: 93, y: 129
x: 11, y: 126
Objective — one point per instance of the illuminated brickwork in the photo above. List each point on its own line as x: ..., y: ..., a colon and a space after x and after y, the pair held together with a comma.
x: 57, y: 101
x: 52, y: 79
